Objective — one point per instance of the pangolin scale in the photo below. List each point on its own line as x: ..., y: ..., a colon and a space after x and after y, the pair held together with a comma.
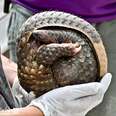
x: 45, y: 52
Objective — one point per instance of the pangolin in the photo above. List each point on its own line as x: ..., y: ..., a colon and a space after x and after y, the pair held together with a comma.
x: 46, y: 54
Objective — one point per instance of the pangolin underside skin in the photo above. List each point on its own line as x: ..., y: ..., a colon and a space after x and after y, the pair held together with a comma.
x: 46, y: 52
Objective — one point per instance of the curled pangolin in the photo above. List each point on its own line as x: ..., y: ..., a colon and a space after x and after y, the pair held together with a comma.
x: 46, y: 57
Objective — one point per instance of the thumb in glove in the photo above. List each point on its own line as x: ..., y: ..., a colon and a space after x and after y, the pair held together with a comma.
x: 75, y: 100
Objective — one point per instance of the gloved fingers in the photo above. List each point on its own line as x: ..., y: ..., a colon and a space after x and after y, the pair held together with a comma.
x: 78, y: 106
x: 90, y: 89
x: 23, y: 98
x: 23, y: 91
x: 90, y: 102
x: 76, y: 98
x: 25, y: 94
x: 105, y: 82
x: 15, y: 85
x: 18, y: 90
x: 83, y: 90
x: 73, y: 92
x: 84, y: 104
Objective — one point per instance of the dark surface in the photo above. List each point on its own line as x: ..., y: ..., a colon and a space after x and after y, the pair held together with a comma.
x: 6, y: 5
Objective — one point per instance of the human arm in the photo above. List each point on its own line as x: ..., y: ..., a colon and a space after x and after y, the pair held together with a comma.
x: 29, y: 111
x: 10, y: 69
x: 74, y: 100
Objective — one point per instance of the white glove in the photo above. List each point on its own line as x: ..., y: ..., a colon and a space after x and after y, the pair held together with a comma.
x: 75, y: 100
x: 23, y: 98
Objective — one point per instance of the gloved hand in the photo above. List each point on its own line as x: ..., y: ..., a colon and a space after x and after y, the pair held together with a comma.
x: 75, y: 100
x: 23, y: 98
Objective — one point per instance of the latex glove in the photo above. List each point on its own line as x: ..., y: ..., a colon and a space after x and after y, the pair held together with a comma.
x: 23, y: 98
x: 75, y: 100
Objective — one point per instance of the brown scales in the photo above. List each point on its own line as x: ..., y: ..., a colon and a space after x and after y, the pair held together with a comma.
x: 45, y: 61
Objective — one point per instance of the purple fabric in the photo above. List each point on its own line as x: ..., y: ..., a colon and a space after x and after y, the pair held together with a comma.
x: 91, y: 10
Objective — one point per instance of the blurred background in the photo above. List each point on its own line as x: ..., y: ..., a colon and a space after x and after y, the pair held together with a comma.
x: 4, y: 19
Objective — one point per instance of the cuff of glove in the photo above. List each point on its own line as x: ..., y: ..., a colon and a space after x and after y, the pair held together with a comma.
x: 40, y: 105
